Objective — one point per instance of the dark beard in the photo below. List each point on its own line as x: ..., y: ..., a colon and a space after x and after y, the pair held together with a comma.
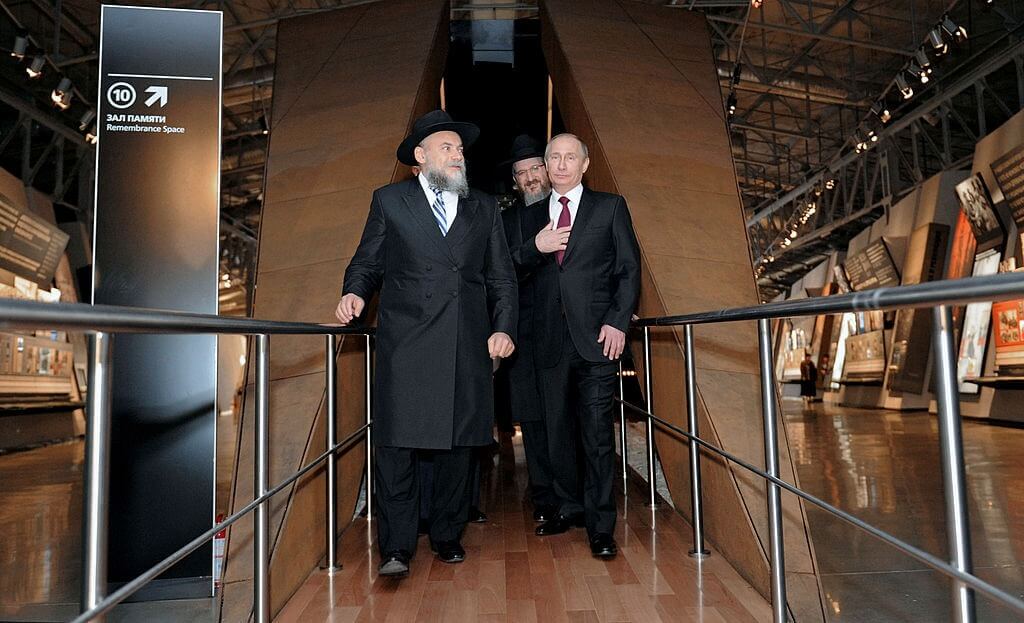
x: 532, y: 198
x: 437, y: 179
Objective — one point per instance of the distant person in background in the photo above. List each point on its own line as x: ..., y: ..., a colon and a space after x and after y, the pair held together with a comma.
x: 808, y: 380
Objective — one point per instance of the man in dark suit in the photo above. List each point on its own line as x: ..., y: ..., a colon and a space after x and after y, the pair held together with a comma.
x: 522, y: 221
x: 586, y: 269
x: 436, y: 250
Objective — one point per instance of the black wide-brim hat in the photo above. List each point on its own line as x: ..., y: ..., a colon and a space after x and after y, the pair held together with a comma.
x: 523, y: 146
x: 434, y: 121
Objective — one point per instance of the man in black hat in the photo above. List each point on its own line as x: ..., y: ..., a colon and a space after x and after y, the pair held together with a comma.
x: 436, y: 251
x: 530, y: 177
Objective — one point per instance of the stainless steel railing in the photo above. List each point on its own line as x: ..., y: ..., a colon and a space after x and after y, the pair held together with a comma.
x: 103, y: 322
x: 940, y: 295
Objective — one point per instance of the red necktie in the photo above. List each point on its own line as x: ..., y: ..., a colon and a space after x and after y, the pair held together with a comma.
x: 564, y: 220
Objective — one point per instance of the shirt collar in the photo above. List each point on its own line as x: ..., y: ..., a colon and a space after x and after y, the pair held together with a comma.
x: 574, y: 195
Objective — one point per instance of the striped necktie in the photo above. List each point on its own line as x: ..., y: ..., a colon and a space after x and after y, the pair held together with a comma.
x: 439, y: 214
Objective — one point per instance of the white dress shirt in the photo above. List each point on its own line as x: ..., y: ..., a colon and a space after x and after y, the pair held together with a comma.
x: 450, y: 199
x: 555, y: 208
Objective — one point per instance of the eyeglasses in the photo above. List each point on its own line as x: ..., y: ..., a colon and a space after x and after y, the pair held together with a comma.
x: 534, y: 169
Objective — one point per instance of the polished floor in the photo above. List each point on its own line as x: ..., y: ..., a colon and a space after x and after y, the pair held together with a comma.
x: 512, y: 575
x: 883, y: 467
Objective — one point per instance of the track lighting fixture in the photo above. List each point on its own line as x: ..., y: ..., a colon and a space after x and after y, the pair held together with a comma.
x: 830, y: 183
x: 905, y: 89
x: 918, y: 71
x: 61, y: 95
x: 737, y: 71
x: 922, y: 59
x: 35, y: 69
x: 86, y: 119
x: 880, y: 110
x: 959, y: 33
x: 756, y: 4
x: 730, y: 104
x: 939, y: 45
x: 20, y: 46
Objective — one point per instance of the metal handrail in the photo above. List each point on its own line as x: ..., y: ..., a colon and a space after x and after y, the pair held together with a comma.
x: 938, y: 294
x: 114, y: 319
x: 999, y: 287
x: 153, y: 572
x: 100, y: 322
x: 923, y: 556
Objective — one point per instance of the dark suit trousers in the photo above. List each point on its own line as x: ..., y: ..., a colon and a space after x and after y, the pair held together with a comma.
x: 593, y: 387
x: 536, y: 444
x: 399, y: 499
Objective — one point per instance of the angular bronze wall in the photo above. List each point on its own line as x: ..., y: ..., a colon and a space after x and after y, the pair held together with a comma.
x: 638, y: 84
x: 347, y: 86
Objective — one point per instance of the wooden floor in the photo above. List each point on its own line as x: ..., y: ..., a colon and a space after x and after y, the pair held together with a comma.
x: 512, y: 575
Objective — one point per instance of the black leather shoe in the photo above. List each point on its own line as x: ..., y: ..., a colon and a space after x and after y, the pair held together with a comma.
x: 450, y: 551
x: 476, y: 515
x: 544, y: 512
x: 559, y: 524
x: 395, y: 564
x: 602, y: 545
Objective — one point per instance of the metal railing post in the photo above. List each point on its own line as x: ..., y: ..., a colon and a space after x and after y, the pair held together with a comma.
x: 332, y: 461
x: 953, y: 476
x: 771, y: 459
x: 622, y: 433
x: 369, y: 431
x: 651, y: 486
x: 96, y: 494
x: 261, y: 559
x: 696, y: 492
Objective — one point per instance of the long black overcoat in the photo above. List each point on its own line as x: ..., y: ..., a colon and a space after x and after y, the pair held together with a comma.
x: 441, y: 297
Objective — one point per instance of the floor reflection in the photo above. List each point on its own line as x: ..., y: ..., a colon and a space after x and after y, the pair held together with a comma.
x: 883, y: 467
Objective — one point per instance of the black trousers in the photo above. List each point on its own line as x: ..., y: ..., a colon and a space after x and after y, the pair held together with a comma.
x: 399, y: 499
x: 592, y: 385
x: 537, y: 445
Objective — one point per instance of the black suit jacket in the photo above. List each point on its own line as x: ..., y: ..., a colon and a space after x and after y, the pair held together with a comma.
x: 441, y: 297
x: 598, y: 282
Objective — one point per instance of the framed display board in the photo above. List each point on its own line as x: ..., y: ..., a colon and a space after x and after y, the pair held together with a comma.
x: 865, y: 357
x: 1009, y: 174
x: 974, y: 337
x: 871, y: 268
x: 976, y: 203
x: 1008, y: 319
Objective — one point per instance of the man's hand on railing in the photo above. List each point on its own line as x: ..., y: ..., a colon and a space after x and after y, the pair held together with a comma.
x: 614, y: 341
x: 350, y: 307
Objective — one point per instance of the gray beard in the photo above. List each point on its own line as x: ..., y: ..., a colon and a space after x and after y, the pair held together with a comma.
x: 532, y: 198
x: 438, y: 179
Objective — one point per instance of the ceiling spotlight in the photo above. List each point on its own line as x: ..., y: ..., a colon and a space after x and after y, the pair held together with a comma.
x: 918, y: 71
x: 959, y: 33
x: 792, y: 234
x: 905, y: 89
x: 881, y: 111
x: 20, y: 47
x: 818, y: 190
x: 872, y: 136
x: 86, y: 119
x: 264, y: 126
x: 756, y: 4
x: 61, y: 95
x: 730, y: 104
x: 922, y: 59
x: 939, y: 45
x: 35, y: 69
x: 830, y: 183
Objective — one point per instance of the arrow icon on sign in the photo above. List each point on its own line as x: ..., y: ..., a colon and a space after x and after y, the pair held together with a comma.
x: 159, y: 93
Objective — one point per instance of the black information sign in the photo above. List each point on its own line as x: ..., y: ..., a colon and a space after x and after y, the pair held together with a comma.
x: 156, y: 246
x: 1009, y: 173
x: 871, y: 268
x: 29, y: 246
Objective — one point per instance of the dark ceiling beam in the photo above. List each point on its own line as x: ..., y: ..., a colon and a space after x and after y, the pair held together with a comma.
x: 820, y: 36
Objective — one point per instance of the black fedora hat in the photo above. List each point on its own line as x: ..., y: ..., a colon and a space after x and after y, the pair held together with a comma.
x: 523, y: 146
x: 434, y: 121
